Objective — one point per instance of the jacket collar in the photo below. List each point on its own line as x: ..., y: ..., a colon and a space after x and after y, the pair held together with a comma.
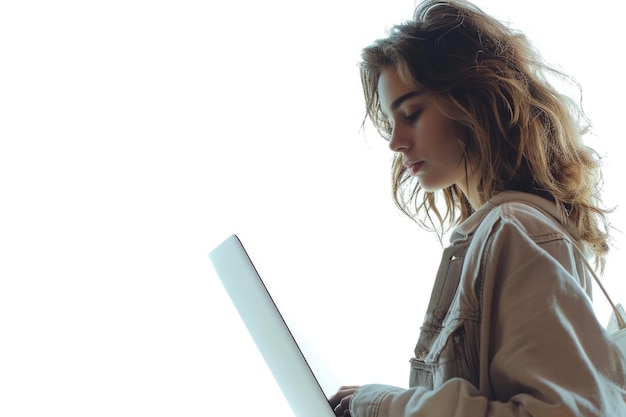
x: 469, y: 226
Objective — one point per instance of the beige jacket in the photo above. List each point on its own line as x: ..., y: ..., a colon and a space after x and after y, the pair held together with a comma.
x: 510, y: 329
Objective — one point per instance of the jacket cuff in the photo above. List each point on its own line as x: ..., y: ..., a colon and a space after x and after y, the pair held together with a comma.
x: 367, y: 399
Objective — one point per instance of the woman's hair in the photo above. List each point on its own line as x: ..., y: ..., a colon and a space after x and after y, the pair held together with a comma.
x: 517, y: 131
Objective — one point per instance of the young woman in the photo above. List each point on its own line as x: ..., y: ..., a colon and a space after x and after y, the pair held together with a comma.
x: 483, y: 143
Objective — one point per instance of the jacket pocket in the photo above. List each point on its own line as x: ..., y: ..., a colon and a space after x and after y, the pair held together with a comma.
x: 421, y: 374
x: 448, y: 358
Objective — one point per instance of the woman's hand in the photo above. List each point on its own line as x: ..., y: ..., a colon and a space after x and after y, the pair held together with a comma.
x: 340, y: 402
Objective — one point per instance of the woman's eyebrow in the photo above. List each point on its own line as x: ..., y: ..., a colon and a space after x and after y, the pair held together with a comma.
x: 397, y: 102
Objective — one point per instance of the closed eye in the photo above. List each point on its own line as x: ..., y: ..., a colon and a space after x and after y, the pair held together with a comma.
x: 413, y: 116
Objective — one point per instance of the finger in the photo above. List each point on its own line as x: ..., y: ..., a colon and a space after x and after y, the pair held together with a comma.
x: 343, y: 391
x: 345, y: 402
x: 335, y: 399
x: 339, y: 411
x: 343, y: 408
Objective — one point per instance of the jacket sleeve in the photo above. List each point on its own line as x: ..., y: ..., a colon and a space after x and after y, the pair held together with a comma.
x: 542, y: 351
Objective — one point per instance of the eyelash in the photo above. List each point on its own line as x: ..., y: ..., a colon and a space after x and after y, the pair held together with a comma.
x: 413, y: 116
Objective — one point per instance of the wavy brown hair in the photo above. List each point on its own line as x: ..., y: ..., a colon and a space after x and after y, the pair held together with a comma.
x: 519, y: 133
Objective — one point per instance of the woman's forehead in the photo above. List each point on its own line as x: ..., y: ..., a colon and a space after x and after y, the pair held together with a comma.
x: 393, y: 90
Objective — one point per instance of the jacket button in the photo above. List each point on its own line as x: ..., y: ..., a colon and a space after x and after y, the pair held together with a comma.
x: 439, y: 313
x: 421, y: 354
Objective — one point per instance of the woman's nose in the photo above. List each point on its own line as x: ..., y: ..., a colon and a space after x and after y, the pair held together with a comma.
x: 398, y: 141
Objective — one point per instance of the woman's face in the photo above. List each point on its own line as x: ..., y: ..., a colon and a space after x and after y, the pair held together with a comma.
x: 425, y: 138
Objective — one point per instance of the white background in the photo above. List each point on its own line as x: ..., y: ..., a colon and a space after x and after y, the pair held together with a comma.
x: 136, y: 136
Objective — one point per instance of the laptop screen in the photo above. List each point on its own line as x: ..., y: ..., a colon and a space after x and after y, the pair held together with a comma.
x: 269, y: 330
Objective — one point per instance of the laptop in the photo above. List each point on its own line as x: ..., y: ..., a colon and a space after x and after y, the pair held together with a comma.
x: 269, y: 330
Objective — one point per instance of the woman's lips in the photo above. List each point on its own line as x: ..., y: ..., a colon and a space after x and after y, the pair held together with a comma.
x: 414, y: 167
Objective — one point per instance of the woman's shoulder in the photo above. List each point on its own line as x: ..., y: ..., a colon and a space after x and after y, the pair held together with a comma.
x: 524, y: 234
x: 529, y: 214
x: 529, y: 219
